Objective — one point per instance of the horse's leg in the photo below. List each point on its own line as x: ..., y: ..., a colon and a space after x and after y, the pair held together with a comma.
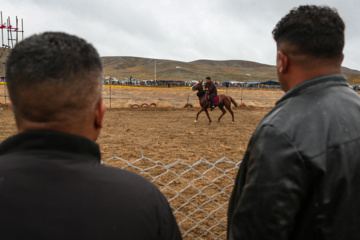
x: 207, y: 113
x: 197, y: 116
x: 223, y: 112
x: 228, y: 107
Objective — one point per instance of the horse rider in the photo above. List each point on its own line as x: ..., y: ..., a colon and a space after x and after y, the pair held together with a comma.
x: 211, y: 88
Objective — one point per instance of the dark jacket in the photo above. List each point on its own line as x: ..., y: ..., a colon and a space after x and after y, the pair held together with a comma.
x: 210, y: 87
x: 300, y: 175
x: 52, y: 186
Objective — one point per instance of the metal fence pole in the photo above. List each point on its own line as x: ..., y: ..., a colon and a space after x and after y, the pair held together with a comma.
x: 188, y: 96
x: 242, y: 89
x: 110, y: 95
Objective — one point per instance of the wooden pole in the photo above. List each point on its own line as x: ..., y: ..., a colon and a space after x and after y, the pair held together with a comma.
x: 11, y: 38
x: 17, y: 27
x: 2, y: 62
x: 8, y: 31
x: 242, y: 89
x: 2, y: 32
x: 22, y: 29
x: 110, y: 95
x: 188, y: 96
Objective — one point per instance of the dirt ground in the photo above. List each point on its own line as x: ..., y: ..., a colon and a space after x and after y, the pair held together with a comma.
x: 124, y: 96
x: 168, y: 134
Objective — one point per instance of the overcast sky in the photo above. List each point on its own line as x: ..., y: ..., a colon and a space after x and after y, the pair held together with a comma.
x: 184, y: 30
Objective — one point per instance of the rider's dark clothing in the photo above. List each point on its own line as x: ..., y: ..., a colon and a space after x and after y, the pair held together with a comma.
x: 211, y: 98
x: 211, y: 88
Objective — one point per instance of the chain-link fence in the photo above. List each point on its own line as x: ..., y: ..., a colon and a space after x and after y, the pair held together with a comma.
x: 198, y: 193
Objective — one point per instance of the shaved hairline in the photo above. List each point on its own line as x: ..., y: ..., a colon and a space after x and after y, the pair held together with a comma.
x: 303, y: 59
x: 67, y: 101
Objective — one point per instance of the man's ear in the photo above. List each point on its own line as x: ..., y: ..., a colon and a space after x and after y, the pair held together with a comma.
x: 99, y: 114
x: 282, y: 62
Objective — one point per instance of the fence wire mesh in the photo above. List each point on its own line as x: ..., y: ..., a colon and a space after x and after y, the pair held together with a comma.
x: 198, y: 193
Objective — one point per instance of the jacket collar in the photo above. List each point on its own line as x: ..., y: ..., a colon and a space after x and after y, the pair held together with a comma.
x: 51, y: 141
x: 318, y: 82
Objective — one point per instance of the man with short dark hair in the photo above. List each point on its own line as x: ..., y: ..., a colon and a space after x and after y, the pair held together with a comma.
x: 212, y: 90
x: 300, y: 177
x: 52, y: 185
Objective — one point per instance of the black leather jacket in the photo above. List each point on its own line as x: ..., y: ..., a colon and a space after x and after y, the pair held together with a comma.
x: 300, y: 177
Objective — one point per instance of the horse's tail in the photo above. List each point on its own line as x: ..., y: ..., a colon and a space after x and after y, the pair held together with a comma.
x: 234, y: 102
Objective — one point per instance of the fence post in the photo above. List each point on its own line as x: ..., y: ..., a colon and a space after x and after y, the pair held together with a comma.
x: 188, y: 96
x: 242, y: 89
x: 110, y: 95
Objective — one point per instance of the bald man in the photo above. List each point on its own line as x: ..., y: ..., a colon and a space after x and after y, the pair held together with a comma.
x: 300, y: 177
x: 52, y: 185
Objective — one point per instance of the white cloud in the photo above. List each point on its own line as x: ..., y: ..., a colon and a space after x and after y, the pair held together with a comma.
x: 184, y: 30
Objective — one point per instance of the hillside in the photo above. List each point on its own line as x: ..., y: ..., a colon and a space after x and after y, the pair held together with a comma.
x: 144, y: 68
x: 231, y: 70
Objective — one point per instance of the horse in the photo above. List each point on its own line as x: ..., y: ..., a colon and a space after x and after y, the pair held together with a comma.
x: 225, y: 101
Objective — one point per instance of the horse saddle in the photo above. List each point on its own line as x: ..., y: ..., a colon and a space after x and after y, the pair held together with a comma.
x: 217, y: 98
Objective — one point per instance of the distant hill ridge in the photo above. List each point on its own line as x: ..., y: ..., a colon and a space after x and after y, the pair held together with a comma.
x: 228, y: 70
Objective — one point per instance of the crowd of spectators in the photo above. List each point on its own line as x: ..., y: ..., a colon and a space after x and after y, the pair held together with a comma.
x: 173, y: 83
x: 135, y: 82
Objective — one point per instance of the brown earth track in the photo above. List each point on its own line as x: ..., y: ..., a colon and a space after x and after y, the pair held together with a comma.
x: 168, y: 134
